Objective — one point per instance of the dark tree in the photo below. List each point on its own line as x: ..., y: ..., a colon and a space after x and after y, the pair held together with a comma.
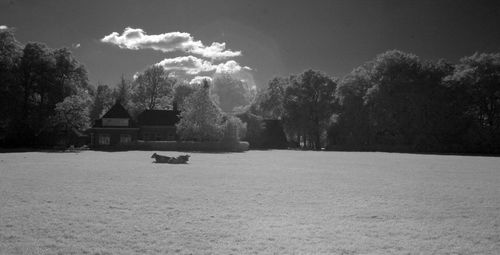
x: 309, y: 104
x: 153, y: 89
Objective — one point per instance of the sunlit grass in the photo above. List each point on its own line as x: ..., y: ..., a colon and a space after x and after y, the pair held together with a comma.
x: 255, y: 202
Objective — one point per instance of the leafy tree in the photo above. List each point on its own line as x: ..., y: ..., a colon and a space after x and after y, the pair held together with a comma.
x: 122, y: 92
x: 479, y: 76
x: 152, y: 89
x: 351, y: 126
x: 10, y: 95
x: 34, y: 78
x: 476, y: 79
x: 69, y: 75
x: 201, y: 118
x: 73, y: 111
x: 270, y: 101
x: 309, y: 104
x: 182, y: 91
x: 102, y: 101
x: 231, y: 93
x: 234, y: 129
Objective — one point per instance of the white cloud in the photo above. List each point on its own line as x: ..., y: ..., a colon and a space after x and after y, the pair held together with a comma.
x: 3, y: 27
x: 192, y: 65
x: 199, y: 79
x: 76, y: 45
x: 136, y: 38
x: 230, y: 66
x: 189, y: 64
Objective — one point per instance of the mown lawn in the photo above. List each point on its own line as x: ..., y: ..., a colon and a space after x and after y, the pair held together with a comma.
x: 263, y: 202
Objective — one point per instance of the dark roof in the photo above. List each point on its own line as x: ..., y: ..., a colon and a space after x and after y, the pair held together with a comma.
x: 158, y: 118
x: 117, y: 111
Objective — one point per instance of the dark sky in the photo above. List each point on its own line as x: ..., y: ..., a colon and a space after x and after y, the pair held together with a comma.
x: 275, y: 37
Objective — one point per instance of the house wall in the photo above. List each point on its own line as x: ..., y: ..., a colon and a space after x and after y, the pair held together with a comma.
x: 158, y: 133
x: 114, y: 135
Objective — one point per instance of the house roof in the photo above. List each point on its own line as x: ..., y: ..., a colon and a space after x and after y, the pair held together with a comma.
x: 117, y: 111
x: 158, y: 118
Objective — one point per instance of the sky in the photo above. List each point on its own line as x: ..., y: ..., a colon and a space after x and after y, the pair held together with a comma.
x: 254, y: 40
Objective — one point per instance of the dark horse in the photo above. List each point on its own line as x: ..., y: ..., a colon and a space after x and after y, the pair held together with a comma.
x: 182, y: 159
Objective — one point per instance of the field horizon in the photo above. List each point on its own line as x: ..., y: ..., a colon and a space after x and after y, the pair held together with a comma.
x: 256, y: 202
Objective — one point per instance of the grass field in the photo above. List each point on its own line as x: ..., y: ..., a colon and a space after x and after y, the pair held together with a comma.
x: 262, y: 202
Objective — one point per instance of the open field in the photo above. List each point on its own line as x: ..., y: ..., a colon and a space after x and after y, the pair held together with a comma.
x: 269, y: 202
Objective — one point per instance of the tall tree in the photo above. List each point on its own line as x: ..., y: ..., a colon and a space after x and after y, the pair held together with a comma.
x: 10, y: 94
x: 231, y: 93
x: 309, y: 103
x: 477, y: 80
x: 73, y: 111
x: 122, y: 92
x: 102, y: 101
x: 201, y: 118
x: 351, y: 127
x: 270, y: 101
x: 152, y: 89
x: 182, y: 91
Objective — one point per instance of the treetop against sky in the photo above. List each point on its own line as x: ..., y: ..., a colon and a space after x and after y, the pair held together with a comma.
x: 253, y: 40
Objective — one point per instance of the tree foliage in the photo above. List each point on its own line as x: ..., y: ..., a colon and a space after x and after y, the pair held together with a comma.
x: 270, y: 101
x: 34, y: 78
x: 182, y: 91
x: 102, y: 101
x: 308, y: 105
x: 152, y: 89
x: 200, y: 119
x: 73, y: 111
x: 230, y: 93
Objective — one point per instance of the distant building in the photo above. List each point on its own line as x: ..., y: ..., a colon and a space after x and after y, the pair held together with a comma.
x: 117, y: 128
x: 158, y: 125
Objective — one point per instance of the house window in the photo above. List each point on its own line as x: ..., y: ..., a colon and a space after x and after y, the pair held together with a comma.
x: 125, y: 138
x: 104, y: 139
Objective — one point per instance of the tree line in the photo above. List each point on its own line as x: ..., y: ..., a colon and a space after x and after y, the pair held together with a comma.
x: 395, y: 102
x: 43, y: 90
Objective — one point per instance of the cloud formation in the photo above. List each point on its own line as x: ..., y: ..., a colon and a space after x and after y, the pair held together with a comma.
x: 2, y: 27
x: 199, y: 79
x: 192, y: 65
x: 136, y: 38
x: 188, y: 64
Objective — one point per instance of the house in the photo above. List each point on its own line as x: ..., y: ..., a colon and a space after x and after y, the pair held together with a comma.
x: 115, y: 128
x: 158, y: 125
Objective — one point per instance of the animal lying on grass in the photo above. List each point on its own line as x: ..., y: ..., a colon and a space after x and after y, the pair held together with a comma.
x: 182, y: 159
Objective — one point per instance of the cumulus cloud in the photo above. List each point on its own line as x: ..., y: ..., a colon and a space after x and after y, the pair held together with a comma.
x: 230, y: 66
x: 3, y: 27
x: 136, y: 38
x: 189, y: 64
x: 192, y: 65
x: 199, y: 79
